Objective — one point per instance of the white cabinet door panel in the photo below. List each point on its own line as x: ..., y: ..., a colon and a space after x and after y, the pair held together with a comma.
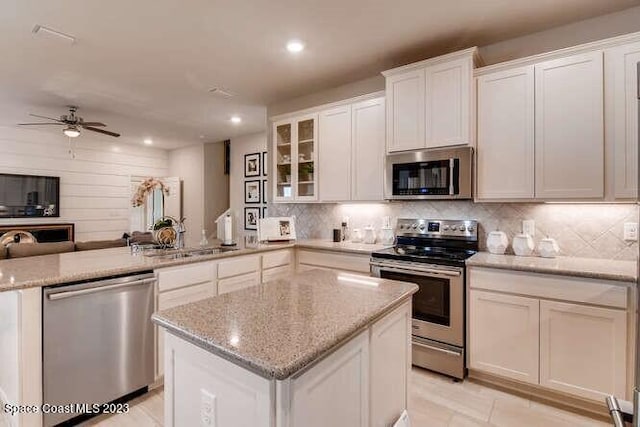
x: 238, y: 282
x: 367, y: 154
x: 339, y: 382
x: 503, y: 335
x: 505, y: 154
x: 405, y: 111
x: 335, y: 154
x: 390, y: 366
x: 621, y: 89
x: 448, y: 98
x: 583, y: 349
x: 569, y: 132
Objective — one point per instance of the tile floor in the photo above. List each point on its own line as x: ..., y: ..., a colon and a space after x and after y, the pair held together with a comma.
x: 434, y: 401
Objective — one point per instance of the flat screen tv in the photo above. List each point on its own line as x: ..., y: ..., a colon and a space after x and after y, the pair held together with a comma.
x: 26, y: 196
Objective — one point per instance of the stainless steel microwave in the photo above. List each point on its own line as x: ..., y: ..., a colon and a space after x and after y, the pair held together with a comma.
x: 429, y: 174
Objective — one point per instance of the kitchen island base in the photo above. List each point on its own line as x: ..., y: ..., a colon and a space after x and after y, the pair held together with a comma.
x: 363, y: 382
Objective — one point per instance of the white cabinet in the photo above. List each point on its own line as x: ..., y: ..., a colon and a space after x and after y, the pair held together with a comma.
x: 430, y: 103
x: 569, y: 134
x: 583, y: 349
x: 405, y: 94
x: 238, y: 282
x: 295, y: 156
x: 238, y: 273
x: 336, y: 391
x: 503, y: 335
x: 367, y: 152
x: 390, y: 366
x: 621, y: 117
x: 558, y: 333
x: 335, y: 154
x: 448, y: 103
x: 505, y: 154
x: 350, y: 262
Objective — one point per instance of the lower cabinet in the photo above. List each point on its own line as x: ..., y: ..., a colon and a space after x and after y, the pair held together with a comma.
x: 238, y: 282
x: 577, y: 346
x: 309, y: 259
x: 583, y: 349
x: 503, y: 335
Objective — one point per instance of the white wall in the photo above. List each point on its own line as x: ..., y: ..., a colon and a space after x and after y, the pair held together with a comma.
x: 188, y: 164
x: 94, y: 187
x: 240, y: 146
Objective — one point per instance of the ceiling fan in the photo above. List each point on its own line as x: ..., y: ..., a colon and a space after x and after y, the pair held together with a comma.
x: 72, y: 124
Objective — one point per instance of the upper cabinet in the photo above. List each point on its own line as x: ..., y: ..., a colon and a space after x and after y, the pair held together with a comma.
x: 569, y: 127
x: 505, y: 154
x: 344, y: 140
x: 295, y: 147
x: 621, y: 112
x: 430, y: 103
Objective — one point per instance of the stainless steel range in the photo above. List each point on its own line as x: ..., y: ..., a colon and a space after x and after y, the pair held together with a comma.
x: 432, y: 253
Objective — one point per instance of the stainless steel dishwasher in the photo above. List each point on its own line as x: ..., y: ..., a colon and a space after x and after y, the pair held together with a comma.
x: 97, y: 341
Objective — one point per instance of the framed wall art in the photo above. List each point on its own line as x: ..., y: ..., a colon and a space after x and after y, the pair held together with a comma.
x: 251, y: 216
x: 252, y: 165
x: 252, y: 191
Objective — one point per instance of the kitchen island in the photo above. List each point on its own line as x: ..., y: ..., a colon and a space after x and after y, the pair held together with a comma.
x: 314, y: 349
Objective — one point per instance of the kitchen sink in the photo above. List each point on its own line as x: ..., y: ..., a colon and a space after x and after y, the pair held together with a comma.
x: 186, y: 253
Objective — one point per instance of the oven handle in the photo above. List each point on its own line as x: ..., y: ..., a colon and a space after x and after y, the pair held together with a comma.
x: 421, y: 272
x: 452, y: 164
x: 441, y: 350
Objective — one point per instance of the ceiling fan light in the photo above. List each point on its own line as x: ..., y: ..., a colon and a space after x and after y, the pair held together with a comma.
x: 71, y: 131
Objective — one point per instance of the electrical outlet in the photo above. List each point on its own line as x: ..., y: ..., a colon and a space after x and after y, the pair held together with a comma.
x: 529, y: 227
x: 631, y: 231
x: 207, y: 408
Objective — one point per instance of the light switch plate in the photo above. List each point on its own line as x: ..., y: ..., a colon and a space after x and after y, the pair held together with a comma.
x: 529, y: 227
x: 631, y: 231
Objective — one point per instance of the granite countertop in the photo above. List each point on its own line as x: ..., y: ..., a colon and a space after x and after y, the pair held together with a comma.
x: 281, y: 327
x: 45, y: 270
x: 594, y: 268
x: 349, y: 247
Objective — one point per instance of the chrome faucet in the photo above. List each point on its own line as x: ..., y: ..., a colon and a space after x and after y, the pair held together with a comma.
x: 181, y: 229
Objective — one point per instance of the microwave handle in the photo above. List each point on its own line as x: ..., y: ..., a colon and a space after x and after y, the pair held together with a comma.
x: 452, y: 165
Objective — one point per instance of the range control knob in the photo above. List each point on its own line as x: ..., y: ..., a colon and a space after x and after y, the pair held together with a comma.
x: 470, y: 228
x: 462, y: 228
x: 445, y: 228
x: 401, y: 227
x: 421, y: 227
x: 414, y: 225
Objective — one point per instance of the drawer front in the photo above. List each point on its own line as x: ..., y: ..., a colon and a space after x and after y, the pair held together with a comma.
x: 276, y: 273
x: 178, y: 277
x: 238, y: 282
x: 238, y: 266
x: 185, y: 295
x: 349, y: 262
x: 276, y: 259
x: 565, y: 288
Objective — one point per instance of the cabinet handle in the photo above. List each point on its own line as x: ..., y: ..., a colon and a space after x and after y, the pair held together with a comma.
x: 441, y: 350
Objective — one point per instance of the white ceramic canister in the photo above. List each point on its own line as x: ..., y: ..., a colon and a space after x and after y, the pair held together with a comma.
x: 386, y: 236
x: 523, y: 245
x: 356, y: 235
x: 497, y: 242
x: 548, y: 248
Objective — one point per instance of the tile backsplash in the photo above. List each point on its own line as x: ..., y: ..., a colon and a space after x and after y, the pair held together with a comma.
x: 584, y: 230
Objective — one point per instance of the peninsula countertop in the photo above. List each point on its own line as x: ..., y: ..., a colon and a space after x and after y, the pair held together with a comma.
x: 46, y: 270
x: 594, y: 268
x: 278, y: 328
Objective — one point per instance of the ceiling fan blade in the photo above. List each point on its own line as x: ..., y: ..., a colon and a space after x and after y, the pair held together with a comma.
x: 83, y: 124
x: 45, y: 117
x: 33, y: 124
x: 106, y: 132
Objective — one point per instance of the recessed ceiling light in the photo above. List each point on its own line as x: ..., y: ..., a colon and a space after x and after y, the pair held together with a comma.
x: 295, y: 46
x: 236, y: 119
x: 148, y: 141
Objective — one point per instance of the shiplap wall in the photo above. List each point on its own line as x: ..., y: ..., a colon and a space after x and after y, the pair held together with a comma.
x: 94, y: 187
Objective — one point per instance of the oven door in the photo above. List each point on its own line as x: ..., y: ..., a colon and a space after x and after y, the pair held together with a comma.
x: 438, y: 306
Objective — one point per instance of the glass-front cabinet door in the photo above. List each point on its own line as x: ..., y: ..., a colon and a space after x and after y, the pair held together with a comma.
x: 295, y: 143
x: 307, y: 143
x: 284, y: 152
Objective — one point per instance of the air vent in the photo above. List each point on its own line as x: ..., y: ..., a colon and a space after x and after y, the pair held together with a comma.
x: 222, y: 93
x: 42, y: 31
